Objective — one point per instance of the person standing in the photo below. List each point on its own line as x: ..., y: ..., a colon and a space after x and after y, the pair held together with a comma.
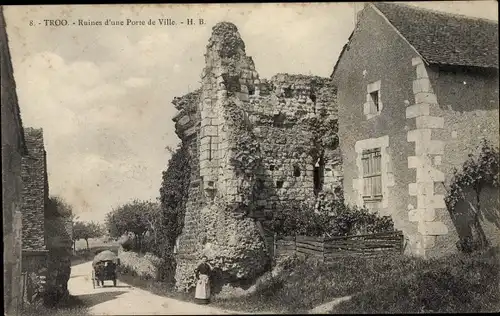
x: 203, y: 271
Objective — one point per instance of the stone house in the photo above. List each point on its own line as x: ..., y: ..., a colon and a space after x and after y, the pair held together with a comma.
x: 35, y: 243
x: 46, y: 238
x: 13, y: 149
x: 417, y: 91
x: 250, y: 140
x: 35, y: 198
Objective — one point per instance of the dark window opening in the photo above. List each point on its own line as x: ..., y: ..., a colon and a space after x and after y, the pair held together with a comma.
x: 251, y: 90
x: 279, y: 184
x: 279, y: 120
x: 271, y: 167
x: 374, y: 96
x: 232, y: 83
x: 288, y: 92
x: 319, y: 175
x: 296, y: 171
x: 313, y: 98
x: 260, y: 184
x: 210, y: 149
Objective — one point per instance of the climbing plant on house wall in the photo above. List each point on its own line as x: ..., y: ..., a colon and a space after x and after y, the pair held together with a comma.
x: 477, y: 173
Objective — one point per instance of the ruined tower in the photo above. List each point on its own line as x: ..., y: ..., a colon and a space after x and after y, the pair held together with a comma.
x: 253, y: 146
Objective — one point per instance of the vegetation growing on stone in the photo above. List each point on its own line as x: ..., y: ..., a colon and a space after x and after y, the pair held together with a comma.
x: 478, y: 172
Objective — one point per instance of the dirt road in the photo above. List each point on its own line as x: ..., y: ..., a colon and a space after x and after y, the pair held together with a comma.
x: 127, y: 300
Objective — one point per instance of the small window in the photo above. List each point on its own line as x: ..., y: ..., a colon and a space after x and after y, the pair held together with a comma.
x: 210, y: 148
x: 261, y: 184
x: 375, y: 100
x: 296, y: 171
x: 279, y: 184
x: 288, y: 92
x: 251, y: 90
x: 372, y: 175
x: 313, y: 98
x: 279, y: 120
x: 271, y: 167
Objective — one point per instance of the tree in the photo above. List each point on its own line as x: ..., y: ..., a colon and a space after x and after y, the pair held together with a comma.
x: 58, y: 207
x: 82, y: 230
x: 78, y: 232
x: 137, y: 217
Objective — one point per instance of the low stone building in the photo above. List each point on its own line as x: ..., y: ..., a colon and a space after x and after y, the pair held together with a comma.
x: 417, y: 91
x: 13, y: 149
x: 47, y: 237
x: 35, y: 198
x: 35, y: 191
x: 254, y: 144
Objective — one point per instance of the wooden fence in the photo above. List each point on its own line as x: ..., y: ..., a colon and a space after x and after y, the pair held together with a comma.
x: 329, y: 249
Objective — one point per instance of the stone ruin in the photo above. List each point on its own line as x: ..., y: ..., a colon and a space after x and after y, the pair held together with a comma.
x: 253, y: 145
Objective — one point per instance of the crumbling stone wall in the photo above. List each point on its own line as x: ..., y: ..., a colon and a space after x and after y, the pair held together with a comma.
x: 252, y: 144
x: 13, y: 148
x: 282, y: 115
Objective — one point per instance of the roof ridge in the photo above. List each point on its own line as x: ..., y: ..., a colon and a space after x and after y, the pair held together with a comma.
x: 413, y: 7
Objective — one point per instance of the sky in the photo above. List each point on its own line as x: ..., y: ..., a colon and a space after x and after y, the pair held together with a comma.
x: 102, y: 94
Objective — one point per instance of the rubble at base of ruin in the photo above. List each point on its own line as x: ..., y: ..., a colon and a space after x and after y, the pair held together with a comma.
x: 277, y: 115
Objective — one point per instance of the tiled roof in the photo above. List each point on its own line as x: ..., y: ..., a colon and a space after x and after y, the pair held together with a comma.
x: 443, y: 38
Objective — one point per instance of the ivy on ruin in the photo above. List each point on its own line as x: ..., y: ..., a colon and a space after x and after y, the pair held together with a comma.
x: 174, y: 194
x: 246, y: 157
x: 478, y: 172
x: 188, y: 102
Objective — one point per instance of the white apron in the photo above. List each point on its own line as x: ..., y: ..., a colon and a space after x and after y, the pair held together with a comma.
x: 203, y: 288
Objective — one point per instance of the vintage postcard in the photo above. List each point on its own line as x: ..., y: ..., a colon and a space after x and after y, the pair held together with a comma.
x: 164, y: 159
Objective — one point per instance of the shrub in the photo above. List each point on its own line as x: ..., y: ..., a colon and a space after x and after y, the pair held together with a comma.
x: 145, y: 267
x: 330, y: 218
x: 477, y: 173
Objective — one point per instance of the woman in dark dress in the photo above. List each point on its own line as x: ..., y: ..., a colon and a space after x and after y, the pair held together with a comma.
x: 202, y: 295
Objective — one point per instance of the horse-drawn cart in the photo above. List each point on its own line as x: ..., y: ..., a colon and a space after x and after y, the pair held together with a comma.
x: 104, y: 268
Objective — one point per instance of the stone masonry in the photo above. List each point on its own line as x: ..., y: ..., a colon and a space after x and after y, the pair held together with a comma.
x: 35, y: 191
x: 13, y: 148
x: 428, y: 154
x: 274, y: 113
x: 35, y: 197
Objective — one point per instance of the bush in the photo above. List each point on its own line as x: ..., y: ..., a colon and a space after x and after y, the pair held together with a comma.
x: 145, y: 267
x: 330, y: 218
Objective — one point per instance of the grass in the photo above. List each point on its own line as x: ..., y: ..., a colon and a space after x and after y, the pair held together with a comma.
x: 155, y: 287
x: 397, y: 284
x: 72, y: 306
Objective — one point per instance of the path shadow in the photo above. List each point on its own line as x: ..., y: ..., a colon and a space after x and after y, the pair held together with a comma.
x: 98, y: 298
x: 118, y: 286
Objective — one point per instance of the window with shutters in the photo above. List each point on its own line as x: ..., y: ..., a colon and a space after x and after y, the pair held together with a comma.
x: 372, y: 175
